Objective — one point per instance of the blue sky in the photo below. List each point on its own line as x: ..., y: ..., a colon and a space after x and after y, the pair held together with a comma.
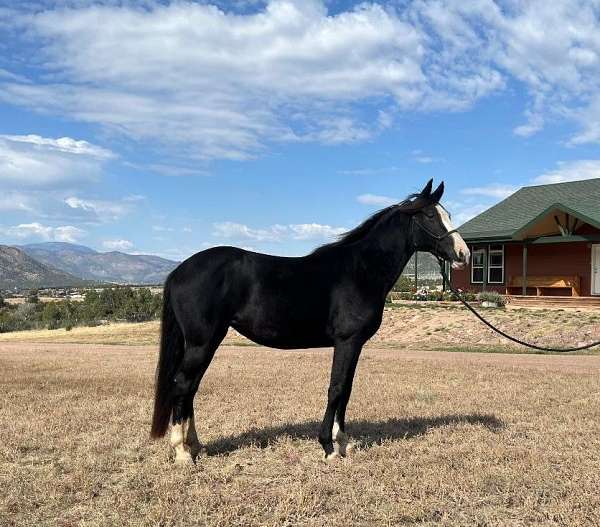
x: 169, y: 127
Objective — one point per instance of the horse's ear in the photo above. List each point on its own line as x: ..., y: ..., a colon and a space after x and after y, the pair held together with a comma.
x: 426, y: 192
x: 438, y: 193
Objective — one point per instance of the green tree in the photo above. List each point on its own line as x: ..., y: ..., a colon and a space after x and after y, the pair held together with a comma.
x: 32, y: 297
x: 52, y: 315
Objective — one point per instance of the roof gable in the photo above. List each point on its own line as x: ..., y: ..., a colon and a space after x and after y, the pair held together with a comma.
x: 529, y: 204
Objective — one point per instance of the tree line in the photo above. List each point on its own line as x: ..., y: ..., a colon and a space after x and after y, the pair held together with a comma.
x: 111, y: 304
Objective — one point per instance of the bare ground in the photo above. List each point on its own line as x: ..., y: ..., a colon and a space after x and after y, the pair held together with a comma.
x: 445, y: 439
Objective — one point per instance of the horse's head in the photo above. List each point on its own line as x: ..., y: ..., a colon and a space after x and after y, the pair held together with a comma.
x: 432, y: 229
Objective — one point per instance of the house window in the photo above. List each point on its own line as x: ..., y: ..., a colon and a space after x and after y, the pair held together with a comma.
x: 477, y: 259
x: 494, y: 254
x: 496, y: 264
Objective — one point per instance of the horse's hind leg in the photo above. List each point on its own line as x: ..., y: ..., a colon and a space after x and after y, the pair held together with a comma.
x: 196, y: 360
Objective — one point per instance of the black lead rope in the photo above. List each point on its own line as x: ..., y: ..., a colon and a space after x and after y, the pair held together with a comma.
x: 497, y: 330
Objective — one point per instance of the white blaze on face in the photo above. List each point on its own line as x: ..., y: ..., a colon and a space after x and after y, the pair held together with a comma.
x: 459, y: 245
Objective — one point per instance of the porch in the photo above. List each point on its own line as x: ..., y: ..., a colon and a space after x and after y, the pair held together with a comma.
x: 581, y: 302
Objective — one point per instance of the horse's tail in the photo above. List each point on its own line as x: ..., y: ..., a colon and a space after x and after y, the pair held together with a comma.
x: 169, y: 359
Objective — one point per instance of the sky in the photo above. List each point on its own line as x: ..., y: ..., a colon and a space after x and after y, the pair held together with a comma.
x: 170, y: 127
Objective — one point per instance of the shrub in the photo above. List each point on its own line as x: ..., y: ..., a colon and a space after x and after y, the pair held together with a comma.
x: 403, y: 284
x: 33, y: 297
x: 493, y: 297
x: 53, y: 324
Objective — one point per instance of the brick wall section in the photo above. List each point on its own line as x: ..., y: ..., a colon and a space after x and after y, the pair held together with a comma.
x: 567, y: 259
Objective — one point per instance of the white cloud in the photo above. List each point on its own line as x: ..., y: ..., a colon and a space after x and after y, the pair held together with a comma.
x: 495, y: 190
x: 571, y: 171
x: 551, y: 48
x: 36, y: 162
x: 221, y: 85
x: 420, y: 157
x: 68, y: 233
x: 239, y: 231
x: 374, y: 199
x: 117, y: 245
x: 18, y: 201
x: 464, y: 212
x: 276, y: 233
x: 310, y: 231
x: 63, y: 233
x: 368, y: 171
x: 103, y: 210
x: 62, y: 144
x: 214, y: 83
x: 424, y: 159
x: 172, y: 170
x: 535, y: 123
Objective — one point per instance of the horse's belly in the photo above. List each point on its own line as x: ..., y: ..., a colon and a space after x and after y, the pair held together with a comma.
x: 283, y: 336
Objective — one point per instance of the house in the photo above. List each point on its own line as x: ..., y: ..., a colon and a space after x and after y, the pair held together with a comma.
x: 541, y: 240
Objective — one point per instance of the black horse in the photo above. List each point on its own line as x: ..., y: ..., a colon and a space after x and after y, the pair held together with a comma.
x: 332, y: 297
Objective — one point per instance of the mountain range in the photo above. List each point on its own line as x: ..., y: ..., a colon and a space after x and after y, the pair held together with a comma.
x: 114, y: 266
x: 427, y: 266
x: 59, y: 264
x: 56, y: 264
x: 19, y: 270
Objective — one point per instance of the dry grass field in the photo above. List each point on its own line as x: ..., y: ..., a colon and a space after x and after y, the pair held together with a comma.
x: 445, y: 439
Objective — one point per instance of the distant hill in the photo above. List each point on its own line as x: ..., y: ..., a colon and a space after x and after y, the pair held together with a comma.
x: 58, y: 247
x: 113, y: 266
x: 17, y: 269
x: 427, y: 266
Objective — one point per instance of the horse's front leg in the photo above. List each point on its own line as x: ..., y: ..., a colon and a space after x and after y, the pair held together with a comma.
x: 345, y: 357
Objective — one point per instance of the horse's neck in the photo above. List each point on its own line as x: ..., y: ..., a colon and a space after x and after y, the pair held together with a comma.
x: 385, y: 252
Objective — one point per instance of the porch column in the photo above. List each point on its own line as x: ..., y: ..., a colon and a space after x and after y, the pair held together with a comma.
x: 524, y: 290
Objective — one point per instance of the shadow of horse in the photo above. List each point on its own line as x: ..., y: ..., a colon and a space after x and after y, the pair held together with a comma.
x: 365, y: 433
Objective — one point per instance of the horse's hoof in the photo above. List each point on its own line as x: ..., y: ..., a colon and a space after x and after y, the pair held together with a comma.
x: 331, y: 458
x: 183, y: 460
x: 343, y: 447
x: 198, y: 450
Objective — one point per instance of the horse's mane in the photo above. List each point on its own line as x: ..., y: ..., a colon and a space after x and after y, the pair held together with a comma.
x: 411, y: 204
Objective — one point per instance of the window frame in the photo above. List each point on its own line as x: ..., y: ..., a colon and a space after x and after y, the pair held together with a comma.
x: 482, y: 266
x: 490, y: 266
x: 485, y: 265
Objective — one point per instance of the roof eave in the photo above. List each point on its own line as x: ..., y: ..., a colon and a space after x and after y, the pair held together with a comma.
x: 477, y: 237
x: 518, y: 234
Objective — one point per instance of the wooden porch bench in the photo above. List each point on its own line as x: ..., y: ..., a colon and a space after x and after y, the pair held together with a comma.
x: 542, y: 282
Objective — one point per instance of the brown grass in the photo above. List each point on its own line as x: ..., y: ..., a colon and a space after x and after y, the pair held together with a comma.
x: 446, y: 439
x: 142, y: 333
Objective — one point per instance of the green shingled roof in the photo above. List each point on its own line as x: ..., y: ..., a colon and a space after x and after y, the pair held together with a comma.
x: 504, y: 220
